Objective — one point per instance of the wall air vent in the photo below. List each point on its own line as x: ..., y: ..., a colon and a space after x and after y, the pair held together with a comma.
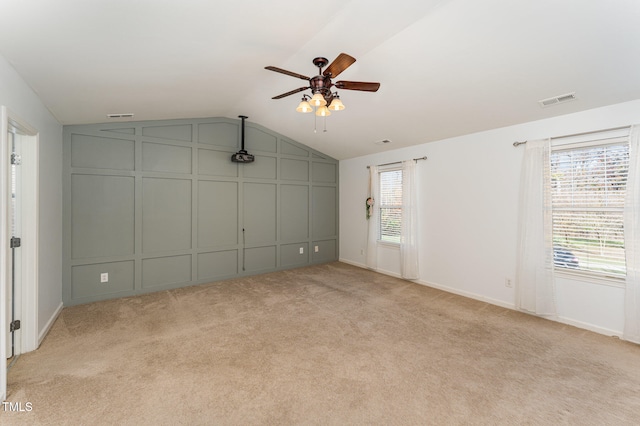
x: 557, y: 99
x: 123, y: 115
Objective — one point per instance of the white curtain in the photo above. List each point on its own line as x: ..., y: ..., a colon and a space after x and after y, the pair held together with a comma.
x: 631, y: 330
x: 409, y: 223
x: 535, y: 290
x: 372, y: 237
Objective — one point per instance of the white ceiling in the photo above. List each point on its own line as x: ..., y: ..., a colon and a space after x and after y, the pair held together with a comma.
x: 446, y: 68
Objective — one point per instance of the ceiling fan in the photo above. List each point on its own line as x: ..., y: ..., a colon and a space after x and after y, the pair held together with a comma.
x: 323, y: 98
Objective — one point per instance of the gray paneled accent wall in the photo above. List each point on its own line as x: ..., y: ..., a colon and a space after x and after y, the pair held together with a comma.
x: 159, y: 205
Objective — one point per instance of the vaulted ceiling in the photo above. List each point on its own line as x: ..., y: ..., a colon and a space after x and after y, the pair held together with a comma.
x: 446, y: 68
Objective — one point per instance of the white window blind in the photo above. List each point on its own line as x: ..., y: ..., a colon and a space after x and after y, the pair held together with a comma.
x: 390, y: 205
x: 588, y: 183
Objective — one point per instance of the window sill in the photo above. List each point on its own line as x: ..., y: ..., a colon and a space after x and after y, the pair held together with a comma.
x: 590, y: 278
x: 389, y: 244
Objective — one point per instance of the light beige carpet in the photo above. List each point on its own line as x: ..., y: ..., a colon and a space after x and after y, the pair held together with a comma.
x: 327, y: 344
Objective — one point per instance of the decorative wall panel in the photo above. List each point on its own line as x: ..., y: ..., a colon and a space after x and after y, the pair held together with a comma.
x: 102, y: 153
x: 325, y: 222
x: 294, y: 212
x: 260, y: 259
x: 260, y: 140
x: 327, y: 250
x: 165, y: 158
x: 171, y: 132
x: 217, y: 213
x: 294, y: 170
x: 162, y: 271
x: 263, y: 168
x: 291, y: 148
x: 120, y: 279
x: 294, y: 254
x: 221, y: 133
x: 166, y: 214
x: 102, y: 216
x: 218, y: 264
x: 324, y: 172
x: 259, y: 212
x: 216, y: 163
x: 159, y: 205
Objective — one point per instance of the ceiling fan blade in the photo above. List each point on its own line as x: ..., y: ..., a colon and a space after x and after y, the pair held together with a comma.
x: 341, y: 63
x: 358, y: 85
x: 292, y: 74
x: 284, y: 95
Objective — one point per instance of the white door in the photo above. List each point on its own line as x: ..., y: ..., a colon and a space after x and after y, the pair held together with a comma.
x: 13, y: 205
x: 19, y: 214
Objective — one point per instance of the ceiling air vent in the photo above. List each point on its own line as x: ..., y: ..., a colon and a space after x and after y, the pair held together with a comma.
x: 557, y: 99
x: 123, y: 115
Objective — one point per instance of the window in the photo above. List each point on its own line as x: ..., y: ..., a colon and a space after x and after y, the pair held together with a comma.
x: 588, y: 185
x: 390, y: 205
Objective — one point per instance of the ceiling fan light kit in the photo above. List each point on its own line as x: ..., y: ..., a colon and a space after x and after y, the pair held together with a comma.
x: 323, y: 111
x: 323, y: 99
x: 336, y: 103
x: 304, y: 106
x: 317, y: 100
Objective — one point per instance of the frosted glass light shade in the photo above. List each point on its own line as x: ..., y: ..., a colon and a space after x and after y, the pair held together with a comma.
x: 318, y: 100
x: 336, y: 104
x: 323, y: 111
x: 304, y: 107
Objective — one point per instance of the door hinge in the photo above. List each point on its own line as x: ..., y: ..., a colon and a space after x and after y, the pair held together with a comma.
x: 15, y: 325
x: 15, y: 242
x: 16, y: 159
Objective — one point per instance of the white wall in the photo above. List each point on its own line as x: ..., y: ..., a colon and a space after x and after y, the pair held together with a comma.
x: 468, y: 191
x: 16, y: 95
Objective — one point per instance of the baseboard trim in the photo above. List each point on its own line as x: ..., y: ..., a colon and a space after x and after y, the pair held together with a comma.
x: 468, y: 294
x: 351, y: 262
x: 437, y: 286
x: 382, y: 271
x: 49, y: 324
x: 587, y: 326
x: 562, y: 320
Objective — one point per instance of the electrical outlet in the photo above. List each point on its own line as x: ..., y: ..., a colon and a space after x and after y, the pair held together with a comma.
x: 301, y: 250
x: 316, y: 249
x: 104, y: 277
x: 507, y: 282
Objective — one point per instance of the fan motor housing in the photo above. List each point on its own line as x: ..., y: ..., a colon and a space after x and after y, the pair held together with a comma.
x: 322, y: 84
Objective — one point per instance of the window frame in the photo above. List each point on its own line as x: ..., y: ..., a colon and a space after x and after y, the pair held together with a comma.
x: 594, y: 141
x: 381, y: 170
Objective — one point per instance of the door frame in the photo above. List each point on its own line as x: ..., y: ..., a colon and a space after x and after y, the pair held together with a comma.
x: 26, y: 295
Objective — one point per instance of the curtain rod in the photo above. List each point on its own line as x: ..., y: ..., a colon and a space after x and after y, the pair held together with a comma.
x: 516, y: 143
x: 398, y: 162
